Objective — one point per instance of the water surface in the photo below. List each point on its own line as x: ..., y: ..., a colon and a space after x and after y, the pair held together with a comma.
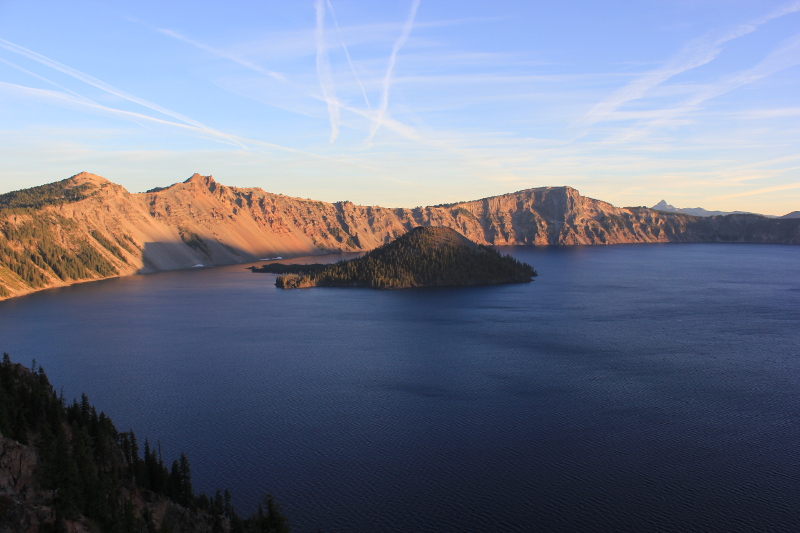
x: 629, y: 388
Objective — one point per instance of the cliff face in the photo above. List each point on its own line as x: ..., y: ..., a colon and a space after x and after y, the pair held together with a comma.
x: 201, y: 222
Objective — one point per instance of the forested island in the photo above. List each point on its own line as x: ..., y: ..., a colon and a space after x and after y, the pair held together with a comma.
x: 65, y: 467
x: 424, y: 257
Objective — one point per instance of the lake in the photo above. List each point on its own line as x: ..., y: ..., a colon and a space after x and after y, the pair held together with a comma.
x: 628, y: 388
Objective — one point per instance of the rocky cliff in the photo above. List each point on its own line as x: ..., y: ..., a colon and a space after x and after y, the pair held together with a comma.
x: 89, y: 220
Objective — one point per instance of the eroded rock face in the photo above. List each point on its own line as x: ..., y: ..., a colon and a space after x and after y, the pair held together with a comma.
x: 201, y: 222
x: 18, y: 464
x: 25, y: 507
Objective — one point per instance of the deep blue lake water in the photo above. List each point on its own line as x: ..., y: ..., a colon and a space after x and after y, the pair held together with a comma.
x: 629, y: 388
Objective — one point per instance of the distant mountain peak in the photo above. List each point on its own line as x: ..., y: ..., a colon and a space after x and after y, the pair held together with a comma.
x: 664, y: 206
x: 695, y: 211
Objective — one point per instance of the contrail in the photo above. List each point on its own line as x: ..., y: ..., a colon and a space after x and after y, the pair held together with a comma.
x: 404, y: 130
x: 66, y: 99
x: 248, y: 65
x: 51, y: 82
x: 695, y: 54
x: 42, y: 78
x: 387, y: 80
x: 99, y: 84
x: 324, y: 72
x: 786, y: 55
x: 347, y: 54
x: 236, y: 59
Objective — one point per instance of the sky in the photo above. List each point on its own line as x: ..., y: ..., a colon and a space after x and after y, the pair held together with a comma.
x: 404, y: 103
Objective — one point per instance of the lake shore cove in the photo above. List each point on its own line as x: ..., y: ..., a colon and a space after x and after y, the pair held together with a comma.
x: 423, y: 257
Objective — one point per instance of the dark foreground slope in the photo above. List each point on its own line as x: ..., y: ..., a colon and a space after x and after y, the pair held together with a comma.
x: 66, y: 468
x: 423, y: 257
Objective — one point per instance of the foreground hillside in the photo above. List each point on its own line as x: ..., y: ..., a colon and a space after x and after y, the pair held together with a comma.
x: 86, y: 227
x: 66, y: 468
x: 423, y: 257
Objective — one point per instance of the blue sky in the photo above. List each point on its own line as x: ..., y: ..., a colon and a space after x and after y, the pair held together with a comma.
x: 412, y: 102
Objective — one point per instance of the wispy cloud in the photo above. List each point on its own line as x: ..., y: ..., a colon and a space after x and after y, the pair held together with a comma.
x: 387, y: 80
x: 758, y: 114
x: 695, y: 54
x: 324, y: 71
x: 764, y: 190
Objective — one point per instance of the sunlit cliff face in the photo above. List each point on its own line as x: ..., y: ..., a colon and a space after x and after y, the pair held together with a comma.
x: 200, y: 222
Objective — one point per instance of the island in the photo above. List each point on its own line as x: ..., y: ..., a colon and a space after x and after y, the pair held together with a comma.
x: 424, y: 257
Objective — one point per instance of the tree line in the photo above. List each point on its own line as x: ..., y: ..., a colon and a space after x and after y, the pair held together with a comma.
x: 43, y: 195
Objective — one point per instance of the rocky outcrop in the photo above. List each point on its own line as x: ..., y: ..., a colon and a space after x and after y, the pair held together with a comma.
x: 23, y: 506
x: 202, y: 222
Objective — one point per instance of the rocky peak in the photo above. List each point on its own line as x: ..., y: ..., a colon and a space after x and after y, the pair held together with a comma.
x: 200, y: 179
x: 197, y: 181
x: 85, y: 178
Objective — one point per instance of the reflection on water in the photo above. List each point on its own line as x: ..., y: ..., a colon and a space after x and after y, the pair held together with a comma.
x: 628, y: 388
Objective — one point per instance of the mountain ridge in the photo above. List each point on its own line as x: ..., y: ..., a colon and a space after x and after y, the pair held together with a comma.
x: 89, y: 220
x: 697, y: 211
